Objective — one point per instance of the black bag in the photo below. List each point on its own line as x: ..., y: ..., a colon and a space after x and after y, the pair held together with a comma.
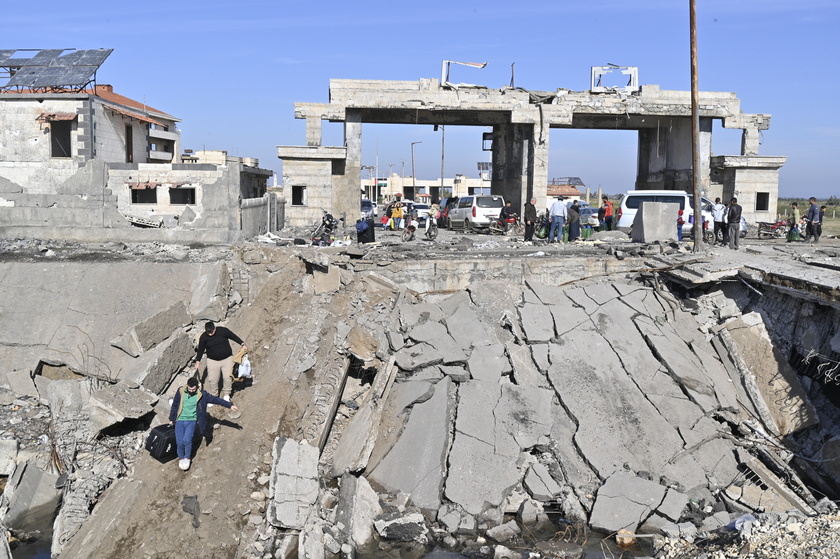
x: 362, y: 226
x: 161, y: 443
x: 368, y: 235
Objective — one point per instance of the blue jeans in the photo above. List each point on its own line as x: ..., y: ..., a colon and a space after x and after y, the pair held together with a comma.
x: 184, y: 431
x: 556, y: 228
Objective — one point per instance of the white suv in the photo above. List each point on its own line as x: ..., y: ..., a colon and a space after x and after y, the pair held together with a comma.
x: 631, y: 201
x: 475, y: 212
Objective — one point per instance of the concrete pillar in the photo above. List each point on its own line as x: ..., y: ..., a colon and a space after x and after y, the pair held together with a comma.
x: 520, y: 164
x: 346, y: 195
x: 313, y: 131
x: 664, y: 155
x: 750, y: 138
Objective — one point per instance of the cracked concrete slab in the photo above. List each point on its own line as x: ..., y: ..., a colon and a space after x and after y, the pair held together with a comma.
x: 624, y: 502
x: 488, y: 363
x: 537, y: 323
x: 293, y: 487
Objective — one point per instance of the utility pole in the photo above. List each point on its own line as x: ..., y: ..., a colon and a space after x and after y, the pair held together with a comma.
x: 695, y: 131
x: 442, y: 154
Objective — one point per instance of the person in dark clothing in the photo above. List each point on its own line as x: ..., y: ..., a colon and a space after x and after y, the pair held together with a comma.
x: 530, y: 217
x: 814, y: 227
x: 189, y: 406
x: 506, y: 212
x: 733, y: 218
x: 214, y: 340
x: 574, y: 221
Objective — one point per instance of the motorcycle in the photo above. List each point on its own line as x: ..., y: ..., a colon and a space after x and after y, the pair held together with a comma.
x: 410, y: 229
x: 504, y: 225
x: 324, y: 232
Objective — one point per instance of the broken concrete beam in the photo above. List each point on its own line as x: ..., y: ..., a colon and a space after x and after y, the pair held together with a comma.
x: 624, y: 502
x: 416, y: 464
x: 358, y: 505
x: 153, y: 330
x: 317, y: 420
x: 359, y: 436
x: 293, y: 488
x: 773, y: 482
x: 115, y: 403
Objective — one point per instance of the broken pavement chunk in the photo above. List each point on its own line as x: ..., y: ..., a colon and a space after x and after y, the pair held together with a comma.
x: 625, y: 501
x: 294, y: 483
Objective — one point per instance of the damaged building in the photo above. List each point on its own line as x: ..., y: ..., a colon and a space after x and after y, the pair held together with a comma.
x: 78, y: 159
x: 317, y: 176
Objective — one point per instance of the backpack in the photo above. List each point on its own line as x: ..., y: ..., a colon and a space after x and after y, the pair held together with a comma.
x: 361, y: 226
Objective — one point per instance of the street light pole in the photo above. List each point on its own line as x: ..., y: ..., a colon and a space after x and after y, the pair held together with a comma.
x: 413, y: 176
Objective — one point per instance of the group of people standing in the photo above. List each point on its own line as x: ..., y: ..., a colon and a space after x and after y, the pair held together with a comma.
x: 813, y: 221
x: 560, y: 213
x: 727, y: 220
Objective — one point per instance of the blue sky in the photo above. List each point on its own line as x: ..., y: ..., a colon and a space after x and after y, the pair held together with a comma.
x: 232, y: 70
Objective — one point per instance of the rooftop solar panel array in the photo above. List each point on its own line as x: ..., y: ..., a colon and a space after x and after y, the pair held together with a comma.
x: 49, y: 68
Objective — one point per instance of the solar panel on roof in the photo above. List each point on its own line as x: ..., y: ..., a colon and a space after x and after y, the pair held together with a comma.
x: 48, y: 68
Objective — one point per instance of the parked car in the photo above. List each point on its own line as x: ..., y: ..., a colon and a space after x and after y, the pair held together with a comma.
x: 630, y: 202
x: 446, y: 205
x: 474, y: 212
x: 422, y: 211
x: 368, y: 209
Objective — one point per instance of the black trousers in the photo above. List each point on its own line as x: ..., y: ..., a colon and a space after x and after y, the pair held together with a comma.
x: 529, y: 231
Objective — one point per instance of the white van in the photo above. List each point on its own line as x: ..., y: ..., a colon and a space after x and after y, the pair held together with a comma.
x: 475, y: 212
x: 630, y: 202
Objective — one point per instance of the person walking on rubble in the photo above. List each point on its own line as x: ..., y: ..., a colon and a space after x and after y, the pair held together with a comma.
x: 219, y: 358
x: 530, y: 218
x: 733, y: 217
x: 189, y: 407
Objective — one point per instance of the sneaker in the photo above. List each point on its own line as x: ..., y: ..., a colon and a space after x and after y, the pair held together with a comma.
x: 210, y: 406
x: 226, y: 398
x: 184, y: 464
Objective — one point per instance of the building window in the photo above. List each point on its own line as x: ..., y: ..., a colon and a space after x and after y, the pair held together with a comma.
x: 762, y: 201
x: 144, y: 196
x: 60, y: 138
x: 298, y: 195
x: 182, y: 196
x: 129, y: 144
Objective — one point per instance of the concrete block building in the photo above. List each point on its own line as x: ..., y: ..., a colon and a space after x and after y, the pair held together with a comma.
x: 329, y: 176
x: 77, y: 161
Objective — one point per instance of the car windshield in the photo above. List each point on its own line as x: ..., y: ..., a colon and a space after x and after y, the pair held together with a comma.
x: 490, y: 202
x: 421, y: 206
x: 367, y: 204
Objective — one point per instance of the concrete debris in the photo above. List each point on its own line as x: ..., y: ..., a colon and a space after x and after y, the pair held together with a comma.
x: 8, y: 456
x: 154, y: 330
x: 404, y: 527
x: 540, y: 484
x: 21, y: 383
x: 488, y: 363
x: 326, y: 282
x: 504, y: 532
x: 30, y: 499
x: 115, y: 403
x: 358, y: 505
x: 625, y: 501
x: 294, y: 483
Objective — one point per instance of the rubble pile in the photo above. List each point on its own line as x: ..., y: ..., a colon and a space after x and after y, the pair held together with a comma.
x: 607, y: 404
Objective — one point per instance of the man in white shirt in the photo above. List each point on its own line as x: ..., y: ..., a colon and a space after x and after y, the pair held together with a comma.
x: 558, y: 213
x: 721, y: 230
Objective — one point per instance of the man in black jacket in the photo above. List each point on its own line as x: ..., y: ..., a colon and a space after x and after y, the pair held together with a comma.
x: 733, y: 217
x: 530, y: 218
x: 219, y: 357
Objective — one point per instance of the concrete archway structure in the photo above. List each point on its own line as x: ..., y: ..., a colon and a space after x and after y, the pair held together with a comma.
x: 328, y: 177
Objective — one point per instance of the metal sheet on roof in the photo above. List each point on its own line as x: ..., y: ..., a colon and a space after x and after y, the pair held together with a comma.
x: 131, y: 114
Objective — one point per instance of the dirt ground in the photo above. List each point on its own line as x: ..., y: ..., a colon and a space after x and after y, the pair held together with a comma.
x: 226, y: 473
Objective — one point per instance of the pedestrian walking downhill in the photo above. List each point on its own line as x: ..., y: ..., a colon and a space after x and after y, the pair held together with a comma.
x: 215, y: 341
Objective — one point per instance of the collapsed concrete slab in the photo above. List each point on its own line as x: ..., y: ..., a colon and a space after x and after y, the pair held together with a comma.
x: 159, y: 365
x: 30, y: 499
x: 293, y: 488
x: 416, y: 464
x: 8, y: 456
